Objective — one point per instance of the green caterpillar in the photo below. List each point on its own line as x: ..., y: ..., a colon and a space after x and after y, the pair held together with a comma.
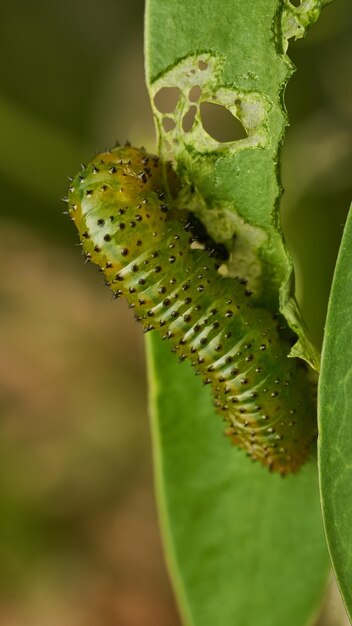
x: 144, y: 248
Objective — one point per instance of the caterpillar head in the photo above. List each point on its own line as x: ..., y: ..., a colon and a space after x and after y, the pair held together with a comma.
x: 118, y: 206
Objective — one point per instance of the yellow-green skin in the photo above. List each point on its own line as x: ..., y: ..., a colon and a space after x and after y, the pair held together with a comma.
x: 145, y: 250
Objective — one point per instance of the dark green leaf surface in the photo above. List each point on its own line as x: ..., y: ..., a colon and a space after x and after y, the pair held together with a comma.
x: 243, y: 546
x: 234, y: 53
x: 335, y: 420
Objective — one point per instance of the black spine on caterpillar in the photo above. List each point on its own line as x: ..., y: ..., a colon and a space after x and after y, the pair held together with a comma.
x: 144, y: 248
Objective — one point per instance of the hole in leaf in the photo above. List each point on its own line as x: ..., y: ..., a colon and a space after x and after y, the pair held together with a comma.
x: 166, y: 99
x: 203, y: 65
x: 220, y: 124
x: 188, y: 119
x: 168, y: 124
x: 195, y: 93
x: 295, y: 3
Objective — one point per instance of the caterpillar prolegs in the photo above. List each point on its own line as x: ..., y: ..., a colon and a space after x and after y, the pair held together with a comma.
x: 143, y: 245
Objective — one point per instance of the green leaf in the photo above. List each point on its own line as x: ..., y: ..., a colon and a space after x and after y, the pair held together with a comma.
x: 296, y: 20
x: 243, y: 546
x: 233, y: 54
x: 335, y: 424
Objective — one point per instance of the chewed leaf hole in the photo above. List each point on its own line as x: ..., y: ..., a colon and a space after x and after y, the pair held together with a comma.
x: 188, y: 119
x: 166, y: 99
x: 168, y: 124
x: 220, y: 124
x: 195, y: 93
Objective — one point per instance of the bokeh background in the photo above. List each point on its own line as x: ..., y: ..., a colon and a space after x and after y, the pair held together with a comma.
x: 79, y: 544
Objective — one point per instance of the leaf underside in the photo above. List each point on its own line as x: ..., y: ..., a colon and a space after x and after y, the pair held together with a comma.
x: 243, y: 546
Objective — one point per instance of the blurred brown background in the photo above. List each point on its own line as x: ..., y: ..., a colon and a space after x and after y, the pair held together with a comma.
x: 79, y: 539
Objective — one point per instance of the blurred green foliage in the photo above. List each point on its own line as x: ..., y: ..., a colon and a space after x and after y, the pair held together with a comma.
x: 67, y: 91
x: 79, y: 541
x: 317, y: 157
